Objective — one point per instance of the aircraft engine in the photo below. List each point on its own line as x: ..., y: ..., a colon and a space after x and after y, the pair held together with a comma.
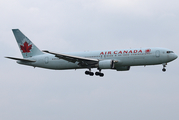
x: 106, y: 64
x: 122, y: 68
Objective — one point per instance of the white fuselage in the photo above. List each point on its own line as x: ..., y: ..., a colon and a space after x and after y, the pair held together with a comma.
x: 124, y: 57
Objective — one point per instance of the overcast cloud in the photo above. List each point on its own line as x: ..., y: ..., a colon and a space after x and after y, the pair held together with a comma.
x: 143, y: 93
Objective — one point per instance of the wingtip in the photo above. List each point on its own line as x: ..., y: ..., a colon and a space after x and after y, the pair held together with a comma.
x: 45, y: 51
x: 6, y: 57
x: 14, y: 29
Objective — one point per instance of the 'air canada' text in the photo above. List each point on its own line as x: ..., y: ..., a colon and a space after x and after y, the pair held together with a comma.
x: 124, y: 52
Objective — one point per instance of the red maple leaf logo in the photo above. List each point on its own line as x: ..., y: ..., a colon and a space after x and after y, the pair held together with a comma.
x: 26, y: 48
x: 148, y: 50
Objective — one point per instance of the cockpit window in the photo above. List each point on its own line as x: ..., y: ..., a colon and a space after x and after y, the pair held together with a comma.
x: 169, y: 51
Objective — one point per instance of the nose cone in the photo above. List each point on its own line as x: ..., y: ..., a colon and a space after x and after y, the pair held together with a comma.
x: 174, y: 56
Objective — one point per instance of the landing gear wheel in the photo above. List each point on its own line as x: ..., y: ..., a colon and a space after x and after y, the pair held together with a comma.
x: 101, y: 74
x: 87, y: 72
x: 91, y: 73
x: 164, y: 65
x: 97, y: 73
x: 163, y: 69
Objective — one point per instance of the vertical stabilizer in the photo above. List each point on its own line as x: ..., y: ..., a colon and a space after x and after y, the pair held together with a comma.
x: 27, y: 48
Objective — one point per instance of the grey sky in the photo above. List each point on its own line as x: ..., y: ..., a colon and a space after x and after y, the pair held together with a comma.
x: 67, y: 26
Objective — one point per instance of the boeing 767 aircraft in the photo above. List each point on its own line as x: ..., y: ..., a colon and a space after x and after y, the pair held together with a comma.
x: 120, y: 60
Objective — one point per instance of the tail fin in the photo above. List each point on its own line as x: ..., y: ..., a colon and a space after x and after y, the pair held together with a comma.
x: 27, y: 48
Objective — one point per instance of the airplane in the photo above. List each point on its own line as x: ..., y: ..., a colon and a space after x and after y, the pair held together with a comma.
x: 120, y: 60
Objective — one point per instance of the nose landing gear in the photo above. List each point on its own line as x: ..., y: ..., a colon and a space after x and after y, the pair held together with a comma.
x: 163, y: 69
x: 164, y: 65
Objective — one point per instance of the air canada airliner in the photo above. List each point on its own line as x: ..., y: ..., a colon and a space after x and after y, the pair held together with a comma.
x: 120, y: 60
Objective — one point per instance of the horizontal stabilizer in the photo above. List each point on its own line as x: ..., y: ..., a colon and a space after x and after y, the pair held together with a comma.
x: 24, y: 60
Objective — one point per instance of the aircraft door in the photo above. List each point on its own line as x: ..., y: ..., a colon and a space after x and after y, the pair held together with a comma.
x: 46, y: 60
x: 157, y: 53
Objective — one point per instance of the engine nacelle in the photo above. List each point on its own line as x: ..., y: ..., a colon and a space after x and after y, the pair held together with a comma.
x: 122, y: 68
x: 106, y: 64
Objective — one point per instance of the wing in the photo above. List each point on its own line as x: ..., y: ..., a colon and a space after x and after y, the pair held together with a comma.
x: 82, y: 61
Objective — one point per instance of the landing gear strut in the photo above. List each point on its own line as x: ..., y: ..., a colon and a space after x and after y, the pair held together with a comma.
x: 164, y: 65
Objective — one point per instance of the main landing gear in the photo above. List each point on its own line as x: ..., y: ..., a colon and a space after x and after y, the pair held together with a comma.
x: 96, y: 73
x: 164, y: 65
x: 89, y: 73
x: 99, y: 73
